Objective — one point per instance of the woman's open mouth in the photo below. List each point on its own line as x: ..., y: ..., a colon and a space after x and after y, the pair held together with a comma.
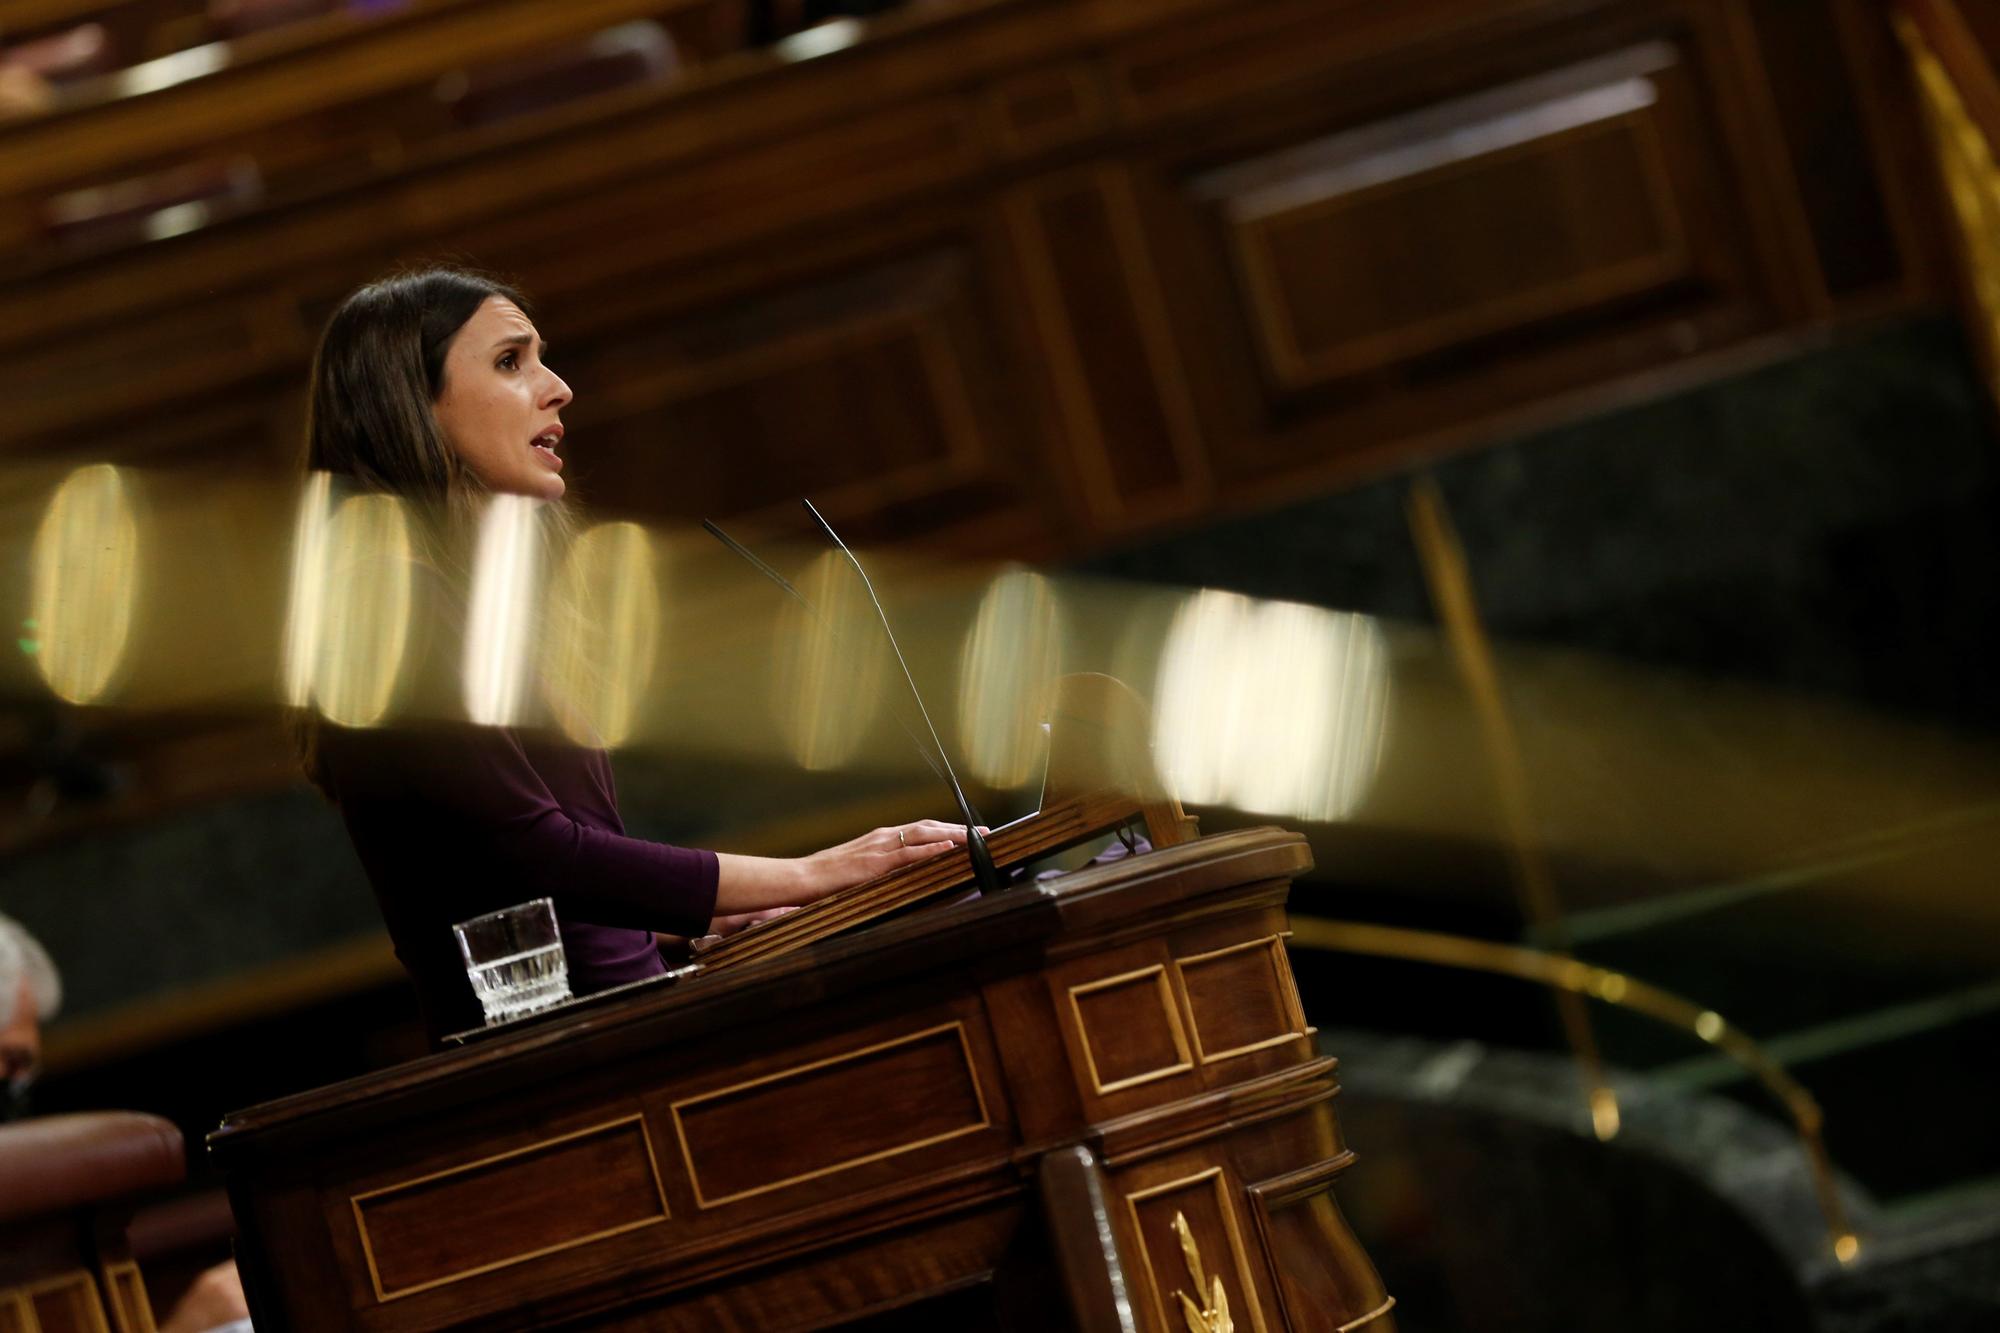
x: 545, y: 446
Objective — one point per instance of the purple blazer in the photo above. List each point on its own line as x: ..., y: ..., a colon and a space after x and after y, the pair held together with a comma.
x: 454, y: 820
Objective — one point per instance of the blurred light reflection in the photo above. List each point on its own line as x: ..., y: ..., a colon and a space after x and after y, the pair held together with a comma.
x: 504, y: 575
x: 1273, y: 707
x: 308, y: 592
x: 84, y: 565
x: 1006, y: 676
x: 603, y: 634
x: 361, y: 611
x: 832, y: 664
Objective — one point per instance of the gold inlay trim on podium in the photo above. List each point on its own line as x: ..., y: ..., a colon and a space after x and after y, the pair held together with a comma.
x: 956, y: 1026
x: 540, y: 1145
x: 1168, y: 1004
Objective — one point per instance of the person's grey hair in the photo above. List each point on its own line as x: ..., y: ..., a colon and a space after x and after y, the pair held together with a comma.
x: 22, y: 955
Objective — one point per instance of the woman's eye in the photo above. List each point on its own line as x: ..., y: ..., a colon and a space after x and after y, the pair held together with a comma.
x: 508, y: 361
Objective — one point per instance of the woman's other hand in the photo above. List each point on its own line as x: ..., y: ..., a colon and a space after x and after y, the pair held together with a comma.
x: 724, y: 926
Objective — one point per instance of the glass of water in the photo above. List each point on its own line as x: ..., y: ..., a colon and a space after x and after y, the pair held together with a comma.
x: 514, y: 959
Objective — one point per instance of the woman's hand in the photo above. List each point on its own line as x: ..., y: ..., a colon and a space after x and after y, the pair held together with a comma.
x: 878, y: 852
x: 754, y: 884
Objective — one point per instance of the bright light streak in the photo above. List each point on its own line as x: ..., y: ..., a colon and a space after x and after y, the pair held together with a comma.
x: 604, y: 634
x: 308, y: 595
x: 1006, y: 678
x: 83, y: 582
x: 1273, y: 707
x: 504, y: 574
x: 361, y: 623
x: 831, y: 667
x: 822, y: 39
x: 152, y: 76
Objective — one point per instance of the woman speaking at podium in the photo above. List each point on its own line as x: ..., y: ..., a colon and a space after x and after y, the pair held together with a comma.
x: 430, y: 386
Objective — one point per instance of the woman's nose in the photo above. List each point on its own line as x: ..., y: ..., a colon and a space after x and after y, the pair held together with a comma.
x: 556, y: 393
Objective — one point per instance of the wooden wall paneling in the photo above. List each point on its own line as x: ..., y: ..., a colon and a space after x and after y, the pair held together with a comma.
x: 1803, y: 70
x: 1040, y: 109
x: 1900, y: 160
x: 1140, y: 241
x: 1181, y: 69
x: 139, y: 29
x: 125, y: 371
x: 1322, y: 236
x: 1095, y: 295
x: 274, y: 77
x: 864, y: 370
x: 854, y: 389
x: 1369, y: 249
x: 1754, y: 110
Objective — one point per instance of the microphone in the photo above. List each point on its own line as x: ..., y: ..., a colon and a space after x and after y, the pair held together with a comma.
x: 975, y: 843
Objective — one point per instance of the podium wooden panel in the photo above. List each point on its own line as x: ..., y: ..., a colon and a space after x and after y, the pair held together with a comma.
x: 995, y: 1113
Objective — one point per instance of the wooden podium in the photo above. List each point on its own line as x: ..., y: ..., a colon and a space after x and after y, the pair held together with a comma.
x: 999, y: 1108
x: 1039, y: 1109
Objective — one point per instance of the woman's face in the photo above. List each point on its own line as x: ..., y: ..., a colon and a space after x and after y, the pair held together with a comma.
x: 498, y: 404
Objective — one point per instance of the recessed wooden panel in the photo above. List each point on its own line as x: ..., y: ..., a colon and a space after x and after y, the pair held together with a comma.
x: 502, y: 1210
x: 1404, y: 238
x: 1130, y: 1029
x: 1114, y: 372
x: 1241, y: 999
x: 1217, y: 1232
x: 867, y: 381
x: 829, y: 1115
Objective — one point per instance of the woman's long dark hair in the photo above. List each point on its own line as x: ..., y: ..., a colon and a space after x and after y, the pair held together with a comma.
x: 378, y: 369
x: 370, y: 423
